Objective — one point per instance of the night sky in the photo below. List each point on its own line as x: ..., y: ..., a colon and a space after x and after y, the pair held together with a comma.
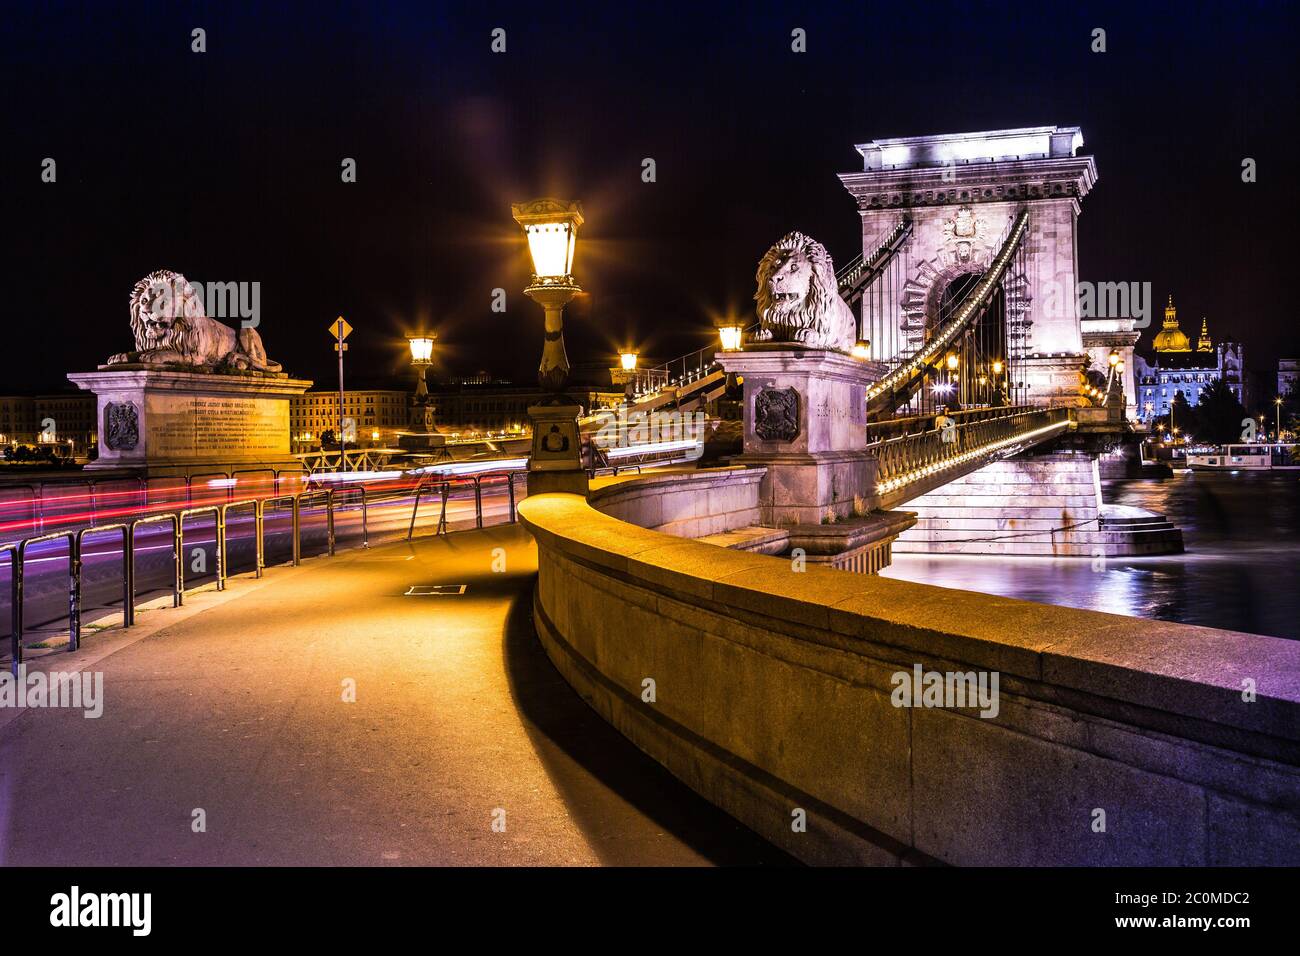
x: 226, y: 165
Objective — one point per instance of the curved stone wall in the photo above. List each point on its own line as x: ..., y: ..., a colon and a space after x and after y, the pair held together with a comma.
x: 688, y: 503
x: 777, y: 694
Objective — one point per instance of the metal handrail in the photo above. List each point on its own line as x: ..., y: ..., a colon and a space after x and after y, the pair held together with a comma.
x: 444, y: 485
x: 176, y: 516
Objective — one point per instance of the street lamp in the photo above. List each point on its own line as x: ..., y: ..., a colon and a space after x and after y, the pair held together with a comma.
x: 1277, y: 403
x: 861, y: 349
x: 551, y: 227
x: 625, y: 373
x: 423, y: 434
x: 730, y: 334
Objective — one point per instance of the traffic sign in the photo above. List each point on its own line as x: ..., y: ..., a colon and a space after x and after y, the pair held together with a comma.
x: 340, y: 329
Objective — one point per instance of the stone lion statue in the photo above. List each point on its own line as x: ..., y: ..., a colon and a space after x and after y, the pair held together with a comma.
x: 798, y: 300
x: 171, y: 328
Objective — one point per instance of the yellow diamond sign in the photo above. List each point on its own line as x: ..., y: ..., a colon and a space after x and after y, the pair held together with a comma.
x: 340, y: 329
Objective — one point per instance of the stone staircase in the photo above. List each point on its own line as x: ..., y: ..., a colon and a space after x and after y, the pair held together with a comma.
x: 1047, y: 505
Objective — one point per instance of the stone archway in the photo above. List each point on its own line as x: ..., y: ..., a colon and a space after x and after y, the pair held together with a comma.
x: 921, y: 302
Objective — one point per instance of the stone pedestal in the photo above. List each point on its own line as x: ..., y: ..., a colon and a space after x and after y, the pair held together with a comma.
x: 170, y: 423
x: 805, y: 422
x: 555, y: 464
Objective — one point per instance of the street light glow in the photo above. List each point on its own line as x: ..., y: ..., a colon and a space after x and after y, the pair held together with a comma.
x: 628, y: 361
x: 551, y: 226
x: 421, y: 347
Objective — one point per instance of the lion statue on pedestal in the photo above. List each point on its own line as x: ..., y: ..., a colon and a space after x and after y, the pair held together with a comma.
x: 171, y: 328
x: 798, y: 300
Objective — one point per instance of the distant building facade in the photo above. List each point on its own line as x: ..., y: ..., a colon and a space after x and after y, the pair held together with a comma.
x: 61, y: 418
x: 379, y: 415
x: 1180, y: 367
x: 494, y: 407
x: 1288, y: 372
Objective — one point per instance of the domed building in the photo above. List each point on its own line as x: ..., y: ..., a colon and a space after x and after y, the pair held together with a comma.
x: 1171, y: 338
x: 1179, y: 368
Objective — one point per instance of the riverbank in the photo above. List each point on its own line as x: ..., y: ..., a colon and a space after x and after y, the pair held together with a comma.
x: 1241, y: 569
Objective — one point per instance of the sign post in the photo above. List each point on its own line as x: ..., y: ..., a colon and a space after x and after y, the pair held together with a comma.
x: 340, y: 329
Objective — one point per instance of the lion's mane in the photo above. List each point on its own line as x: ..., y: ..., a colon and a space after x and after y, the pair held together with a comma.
x: 821, y: 312
x: 183, y: 336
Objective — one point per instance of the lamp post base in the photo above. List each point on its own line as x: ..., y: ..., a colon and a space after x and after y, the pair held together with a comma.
x: 556, y: 461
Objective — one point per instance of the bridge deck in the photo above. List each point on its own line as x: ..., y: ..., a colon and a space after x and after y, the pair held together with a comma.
x: 233, y: 705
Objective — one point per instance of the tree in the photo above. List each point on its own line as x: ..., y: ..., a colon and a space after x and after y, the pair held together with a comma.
x: 1184, y: 417
x: 1219, y: 414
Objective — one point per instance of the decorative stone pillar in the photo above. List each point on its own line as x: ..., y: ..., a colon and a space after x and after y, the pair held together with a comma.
x: 805, y: 422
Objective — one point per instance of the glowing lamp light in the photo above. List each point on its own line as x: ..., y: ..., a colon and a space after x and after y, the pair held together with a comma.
x: 421, y: 347
x: 374, y: 435
x: 729, y: 334
x: 1119, y: 366
x: 997, y: 366
x: 551, y: 226
x: 952, y: 362
x: 628, y: 361
x: 861, y: 349
x: 1114, y: 358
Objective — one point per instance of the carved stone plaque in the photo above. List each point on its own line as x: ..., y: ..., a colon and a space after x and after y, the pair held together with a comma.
x: 121, y: 426
x: 776, y: 414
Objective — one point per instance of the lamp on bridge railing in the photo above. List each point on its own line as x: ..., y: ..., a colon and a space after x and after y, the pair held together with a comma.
x: 625, y: 373
x: 861, y: 349
x: 422, y: 433
x: 551, y: 227
x: 730, y: 334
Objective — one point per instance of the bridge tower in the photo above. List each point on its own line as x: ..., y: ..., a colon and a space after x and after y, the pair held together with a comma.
x: 962, y: 191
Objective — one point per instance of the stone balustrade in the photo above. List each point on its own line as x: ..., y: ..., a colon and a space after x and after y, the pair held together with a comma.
x: 773, y: 692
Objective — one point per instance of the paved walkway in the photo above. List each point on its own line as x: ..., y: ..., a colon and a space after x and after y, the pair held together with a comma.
x: 234, y: 705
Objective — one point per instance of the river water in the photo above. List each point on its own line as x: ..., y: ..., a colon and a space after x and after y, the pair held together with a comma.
x: 1241, y: 570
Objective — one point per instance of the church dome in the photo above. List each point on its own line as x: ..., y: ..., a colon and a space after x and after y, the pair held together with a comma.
x: 1171, y: 338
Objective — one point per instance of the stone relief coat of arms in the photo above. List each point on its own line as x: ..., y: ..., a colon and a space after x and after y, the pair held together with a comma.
x: 964, y: 230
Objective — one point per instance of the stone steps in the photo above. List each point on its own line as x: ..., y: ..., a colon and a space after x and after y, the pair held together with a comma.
x: 1048, y: 506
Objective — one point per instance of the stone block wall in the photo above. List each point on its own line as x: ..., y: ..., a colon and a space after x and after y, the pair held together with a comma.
x: 773, y: 694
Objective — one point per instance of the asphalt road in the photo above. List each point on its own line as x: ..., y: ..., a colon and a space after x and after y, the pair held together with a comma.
x: 235, y: 706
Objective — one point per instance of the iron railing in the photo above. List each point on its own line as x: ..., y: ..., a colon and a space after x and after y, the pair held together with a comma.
x: 16, y: 551
x: 911, y: 456
x: 444, y: 486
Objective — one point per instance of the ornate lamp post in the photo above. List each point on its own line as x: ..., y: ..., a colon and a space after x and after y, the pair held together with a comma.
x: 625, y: 372
x: 423, y: 435
x: 551, y: 227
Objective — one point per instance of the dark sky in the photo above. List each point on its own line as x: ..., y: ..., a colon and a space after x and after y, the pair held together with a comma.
x: 226, y: 165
